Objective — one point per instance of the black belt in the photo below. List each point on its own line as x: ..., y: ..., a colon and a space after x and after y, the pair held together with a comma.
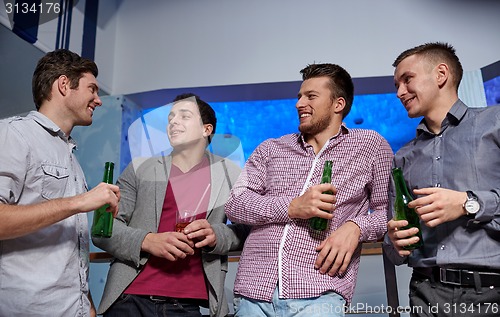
x: 173, y: 300
x: 460, y: 277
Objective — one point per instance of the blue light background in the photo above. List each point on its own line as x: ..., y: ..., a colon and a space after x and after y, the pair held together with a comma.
x: 492, y: 91
x: 255, y: 121
x: 251, y: 122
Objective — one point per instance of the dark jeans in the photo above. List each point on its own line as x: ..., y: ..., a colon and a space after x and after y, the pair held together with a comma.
x: 429, y: 297
x: 136, y: 306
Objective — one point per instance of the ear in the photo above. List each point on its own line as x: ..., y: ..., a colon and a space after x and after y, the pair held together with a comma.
x: 207, y: 129
x: 442, y: 74
x: 339, y: 104
x: 63, y: 84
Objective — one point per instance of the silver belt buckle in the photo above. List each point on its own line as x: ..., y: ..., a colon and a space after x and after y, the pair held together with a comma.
x: 156, y: 299
x: 443, y: 278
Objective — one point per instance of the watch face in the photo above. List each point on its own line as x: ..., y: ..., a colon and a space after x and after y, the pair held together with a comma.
x: 472, y: 206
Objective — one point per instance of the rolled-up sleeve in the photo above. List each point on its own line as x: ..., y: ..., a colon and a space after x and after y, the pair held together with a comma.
x: 14, y: 163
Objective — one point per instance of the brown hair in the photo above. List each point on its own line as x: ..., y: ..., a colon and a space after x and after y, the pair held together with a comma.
x: 57, y: 63
x: 436, y: 53
x: 341, y: 84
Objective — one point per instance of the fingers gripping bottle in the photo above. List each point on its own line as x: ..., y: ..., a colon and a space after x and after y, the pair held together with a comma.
x: 102, y: 226
x: 316, y: 223
x: 401, y: 209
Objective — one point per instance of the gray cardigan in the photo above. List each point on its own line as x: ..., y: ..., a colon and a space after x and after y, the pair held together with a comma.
x: 143, y: 186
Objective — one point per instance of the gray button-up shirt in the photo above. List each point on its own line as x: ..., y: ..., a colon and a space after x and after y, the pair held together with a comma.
x: 465, y: 155
x: 43, y: 273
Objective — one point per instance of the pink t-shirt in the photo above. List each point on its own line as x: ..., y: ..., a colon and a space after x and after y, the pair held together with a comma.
x: 182, y: 278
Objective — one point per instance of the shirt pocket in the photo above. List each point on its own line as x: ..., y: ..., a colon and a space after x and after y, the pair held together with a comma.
x: 54, y: 181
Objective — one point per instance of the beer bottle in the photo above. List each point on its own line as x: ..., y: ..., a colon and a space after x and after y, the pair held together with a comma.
x: 401, y: 209
x: 316, y: 223
x: 102, y: 226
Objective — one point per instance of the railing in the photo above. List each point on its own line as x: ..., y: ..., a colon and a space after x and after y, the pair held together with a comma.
x: 374, y: 248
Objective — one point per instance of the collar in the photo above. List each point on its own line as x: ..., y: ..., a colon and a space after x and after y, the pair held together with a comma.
x: 49, y: 125
x: 453, y: 117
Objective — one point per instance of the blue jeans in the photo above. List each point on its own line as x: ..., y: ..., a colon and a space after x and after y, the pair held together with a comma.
x: 329, y: 304
x: 136, y: 306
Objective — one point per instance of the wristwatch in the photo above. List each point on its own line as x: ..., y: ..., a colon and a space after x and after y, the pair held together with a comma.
x: 471, y: 205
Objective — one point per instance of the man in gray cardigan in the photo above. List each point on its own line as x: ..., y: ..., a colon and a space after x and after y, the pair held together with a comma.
x: 157, y: 270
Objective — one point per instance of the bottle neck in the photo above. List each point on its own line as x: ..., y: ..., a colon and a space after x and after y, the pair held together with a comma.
x: 108, y: 173
x: 400, y: 183
x: 327, y: 173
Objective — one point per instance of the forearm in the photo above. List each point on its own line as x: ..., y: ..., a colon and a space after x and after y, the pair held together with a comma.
x: 250, y: 201
x: 125, y: 243
x: 20, y: 220
x: 229, y: 237
x: 372, y: 226
x: 250, y: 208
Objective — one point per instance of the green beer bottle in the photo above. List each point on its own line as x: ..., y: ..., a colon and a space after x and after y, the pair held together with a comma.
x: 401, y: 209
x: 102, y: 226
x: 316, y: 223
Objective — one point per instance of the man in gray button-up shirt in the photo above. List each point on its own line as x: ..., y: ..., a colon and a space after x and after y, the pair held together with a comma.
x: 453, y: 168
x: 44, y: 238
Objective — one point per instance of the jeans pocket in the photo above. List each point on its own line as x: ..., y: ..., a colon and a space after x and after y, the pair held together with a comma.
x: 236, y: 302
x: 415, y: 285
x: 123, y: 298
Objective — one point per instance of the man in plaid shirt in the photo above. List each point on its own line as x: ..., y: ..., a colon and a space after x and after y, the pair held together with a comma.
x: 287, y: 268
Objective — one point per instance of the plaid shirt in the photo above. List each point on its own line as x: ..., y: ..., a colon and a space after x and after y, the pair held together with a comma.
x: 282, y: 250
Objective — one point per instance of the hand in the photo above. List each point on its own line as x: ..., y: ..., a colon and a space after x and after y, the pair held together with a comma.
x: 201, y: 231
x: 401, y: 238
x: 99, y: 196
x: 169, y: 245
x: 335, y: 252
x: 313, y: 202
x: 438, y: 205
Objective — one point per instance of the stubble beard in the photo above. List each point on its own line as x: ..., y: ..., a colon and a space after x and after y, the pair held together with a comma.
x: 315, y: 127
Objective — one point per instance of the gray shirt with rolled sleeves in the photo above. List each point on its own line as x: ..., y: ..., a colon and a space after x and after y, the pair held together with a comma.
x: 45, y: 272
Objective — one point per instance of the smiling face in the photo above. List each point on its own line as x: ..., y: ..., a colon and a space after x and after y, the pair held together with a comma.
x: 185, y: 127
x: 82, y: 101
x: 417, y: 85
x: 315, y: 106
